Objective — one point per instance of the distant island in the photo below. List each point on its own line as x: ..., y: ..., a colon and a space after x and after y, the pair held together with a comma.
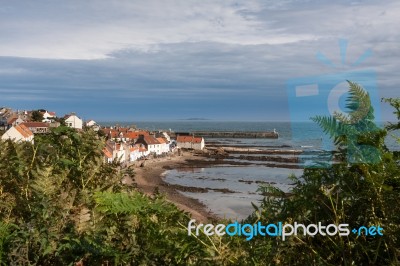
x: 195, y: 119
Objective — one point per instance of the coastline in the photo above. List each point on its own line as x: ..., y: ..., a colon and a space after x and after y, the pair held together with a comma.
x: 149, y: 179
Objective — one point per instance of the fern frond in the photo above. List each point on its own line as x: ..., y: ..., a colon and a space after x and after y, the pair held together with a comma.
x: 132, y: 203
x: 44, y: 181
x: 120, y: 203
x: 359, y: 104
x: 329, y: 125
x: 82, y: 219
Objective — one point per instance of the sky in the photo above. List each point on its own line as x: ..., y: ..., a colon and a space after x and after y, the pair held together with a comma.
x: 166, y: 60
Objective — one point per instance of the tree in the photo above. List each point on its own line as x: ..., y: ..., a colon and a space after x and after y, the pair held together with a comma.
x: 61, y: 204
x: 37, y: 116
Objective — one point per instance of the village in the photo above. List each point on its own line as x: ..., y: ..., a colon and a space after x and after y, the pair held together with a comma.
x: 122, y: 144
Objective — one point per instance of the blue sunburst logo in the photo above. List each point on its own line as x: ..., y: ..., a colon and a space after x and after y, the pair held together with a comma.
x: 343, y: 44
x: 325, y: 95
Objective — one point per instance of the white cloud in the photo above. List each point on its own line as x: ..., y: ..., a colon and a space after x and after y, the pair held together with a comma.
x: 93, y: 31
x: 221, y: 51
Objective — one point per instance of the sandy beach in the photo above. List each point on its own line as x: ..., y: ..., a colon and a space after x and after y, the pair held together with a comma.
x: 149, y: 179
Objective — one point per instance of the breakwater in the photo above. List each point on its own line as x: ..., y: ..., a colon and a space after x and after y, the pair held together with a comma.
x: 233, y: 134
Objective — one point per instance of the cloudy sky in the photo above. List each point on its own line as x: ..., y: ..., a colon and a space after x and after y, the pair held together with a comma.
x: 154, y: 60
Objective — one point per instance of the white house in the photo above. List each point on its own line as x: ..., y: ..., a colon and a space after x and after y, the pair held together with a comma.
x: 48, y: 117
x: 151, y: 143
x: 164, y: 146
x: 119, y: 153
x: 15, y: 121
x: 108, y: 157
x: 18, y: 133
x: 143, y: 152
x: 190, y: 142
x: 116, y: 151
x: 91, y: 123
x: 73, y: 121
x: 37, y: 127
x: 165, y: 136
x: 134, y: 153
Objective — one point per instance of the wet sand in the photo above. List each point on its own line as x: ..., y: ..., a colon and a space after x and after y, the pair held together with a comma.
x: 149, y: 179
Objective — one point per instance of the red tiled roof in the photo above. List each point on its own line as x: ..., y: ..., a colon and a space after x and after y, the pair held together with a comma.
x: 122, y: 129
x: 161, y: 140
x: 131, y: 135
x: 144, y: 133
x: 134, y: 148
x: 191, y: 139
x: 106, y: 130
x: 68, y: 116
x: 115, y: 133
x: 35, y: 124
x: 197, y: 139
x: 150, y: 140
x: 12, y: 120
x: 107, y: 153
x: 24, y: 131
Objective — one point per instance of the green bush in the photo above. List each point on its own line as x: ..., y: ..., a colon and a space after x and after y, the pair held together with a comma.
x: 60, y: 204
x: 361, y: 188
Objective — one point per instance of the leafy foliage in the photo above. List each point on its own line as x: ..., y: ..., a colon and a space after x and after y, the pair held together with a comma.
x: 37, y: 116
x: 60, y: 204
x: 395, y: 103
x: 353, y: 190
x: 356, y: 133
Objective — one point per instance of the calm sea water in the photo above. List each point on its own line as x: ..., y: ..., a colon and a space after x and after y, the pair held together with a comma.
x: 304, y: 135
x: 308, y: 130
x: 243, y: 181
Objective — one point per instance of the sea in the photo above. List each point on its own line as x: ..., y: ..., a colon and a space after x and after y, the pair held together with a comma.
x: 243, y: 181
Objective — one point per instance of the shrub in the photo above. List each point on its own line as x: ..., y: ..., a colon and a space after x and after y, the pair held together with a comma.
x: 360, y: 188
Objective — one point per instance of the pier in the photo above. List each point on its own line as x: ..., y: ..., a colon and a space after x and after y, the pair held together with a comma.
x: 233, y: 134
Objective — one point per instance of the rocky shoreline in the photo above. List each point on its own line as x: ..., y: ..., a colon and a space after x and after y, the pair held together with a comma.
x: 149, y: 176
x: 148, y: 179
